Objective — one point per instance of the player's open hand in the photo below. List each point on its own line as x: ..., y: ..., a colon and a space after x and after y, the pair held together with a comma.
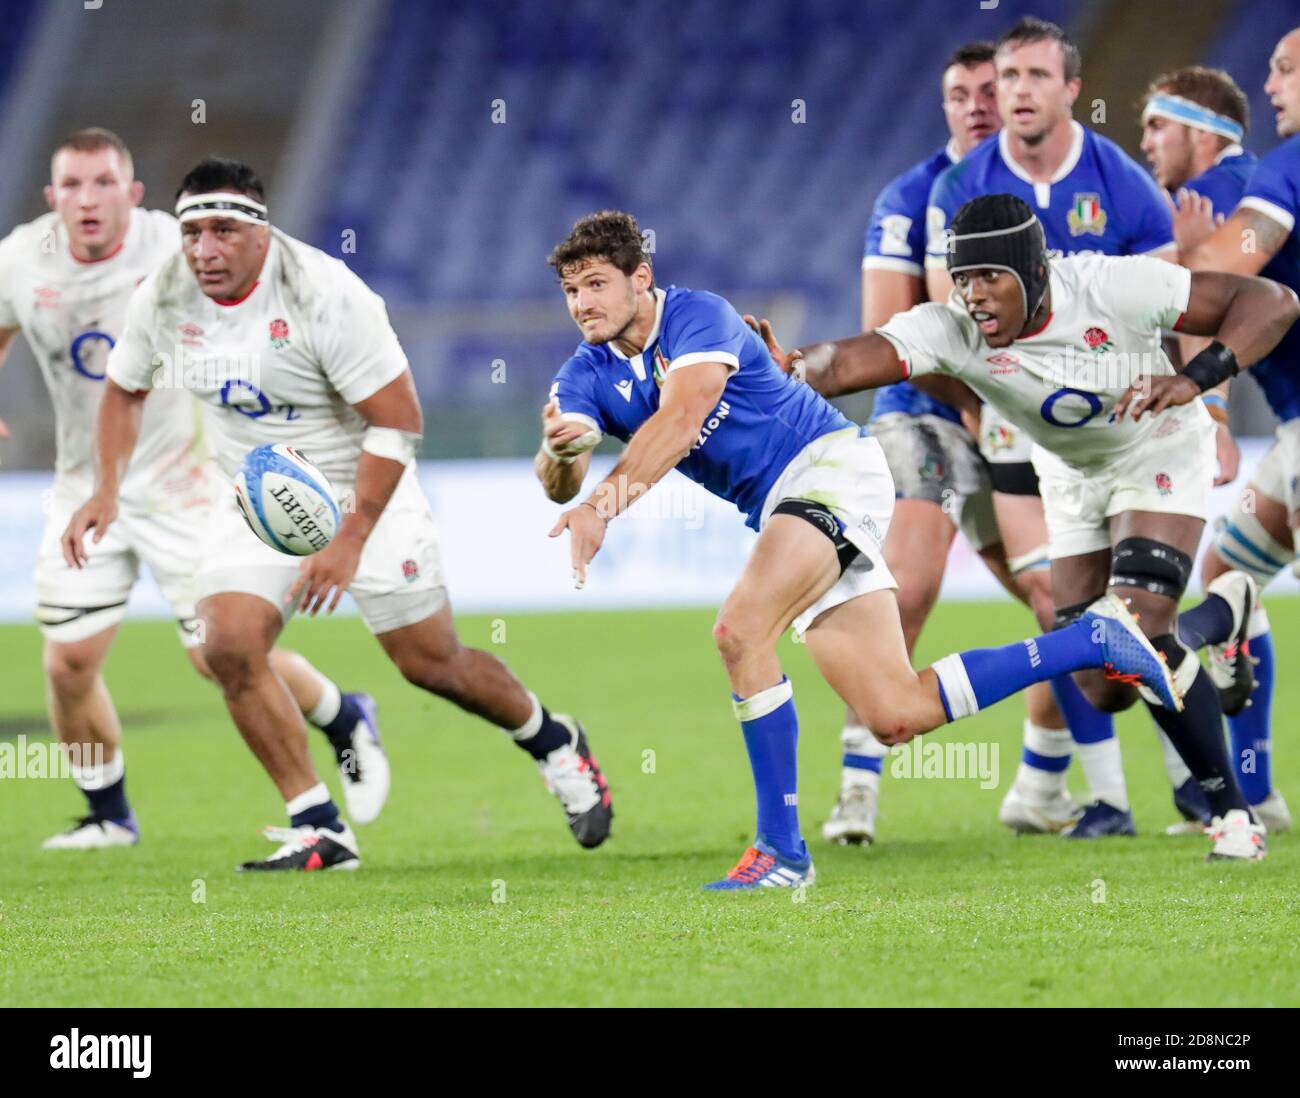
x: 96, y: 514
x: 1155, y: 394
x: 763, y: 328
x: 586, y: 528
x: 566, y: 437
x: 329, y: 570
x: 1194, y: 219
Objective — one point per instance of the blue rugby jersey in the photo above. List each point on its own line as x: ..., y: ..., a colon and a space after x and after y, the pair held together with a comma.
x: 1274, y: 190
x: 1100, y: 200
x: 761, y: 422
x: 895, y: 241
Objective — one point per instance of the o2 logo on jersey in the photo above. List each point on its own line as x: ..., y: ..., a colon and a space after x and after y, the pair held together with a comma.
x: 1071, y: 415
x: 81, y: 352
x: 248, y: 400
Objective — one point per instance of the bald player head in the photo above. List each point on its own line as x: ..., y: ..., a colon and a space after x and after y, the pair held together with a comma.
x: 1283, y: 84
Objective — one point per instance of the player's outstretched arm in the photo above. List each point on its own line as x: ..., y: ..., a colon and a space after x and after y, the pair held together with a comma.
x: 1241, y: 245
x: 1249, y: 316
x: 562, y: 461
x: 392, y: 439
x: 116, y: 430
x: 689, y: 394
x: 865, y: 361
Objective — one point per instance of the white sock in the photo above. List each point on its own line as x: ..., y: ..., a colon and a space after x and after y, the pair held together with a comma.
x: 1052, y: 743
x: 331, y: 700
x: 317, y: 794
x: 858, y: 740
x: 956, y: 687
x: 1174, y: 765
x: 1104, y: 770
x: 532, y: 725
x: 1258, y: 624
x: 95, y: 775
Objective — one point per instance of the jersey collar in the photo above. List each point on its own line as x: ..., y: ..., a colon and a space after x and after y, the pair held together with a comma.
x: 268, y: 266
x: 660, y: 296
x: 1067, y: 165
x: 951, y: 150
x: 1229, y: 151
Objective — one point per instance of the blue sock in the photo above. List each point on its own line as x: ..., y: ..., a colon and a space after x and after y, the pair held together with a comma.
x: 771, y: 729
x: 318, y: 815
x: 339, y: 730
x: 863, y: 762
x: 110, y: 802
x: 979, y: 678
x: 1250, y: 728
x: 1088, y: 724
x: 1208, y: 623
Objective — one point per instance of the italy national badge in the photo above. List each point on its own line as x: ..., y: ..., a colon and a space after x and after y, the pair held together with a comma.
x: 1086, y: 215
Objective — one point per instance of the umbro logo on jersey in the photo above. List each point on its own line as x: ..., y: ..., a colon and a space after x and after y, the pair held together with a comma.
x: 48, y: 298
x: 1003, y: 363
x: 190, y: 333
x: 625, y: 389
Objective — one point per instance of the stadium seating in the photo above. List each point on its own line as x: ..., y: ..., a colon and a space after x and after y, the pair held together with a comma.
x: 682, y: 113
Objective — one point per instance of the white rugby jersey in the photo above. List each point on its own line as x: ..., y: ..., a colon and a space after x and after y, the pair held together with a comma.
x: 72, y: 312
x: 281, y: 365
x: 1060, y: 384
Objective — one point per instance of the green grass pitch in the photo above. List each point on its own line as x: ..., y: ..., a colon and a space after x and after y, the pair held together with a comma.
x: 472, y: 891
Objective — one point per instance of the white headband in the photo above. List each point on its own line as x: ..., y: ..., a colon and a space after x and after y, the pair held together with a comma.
x: 237, y: 207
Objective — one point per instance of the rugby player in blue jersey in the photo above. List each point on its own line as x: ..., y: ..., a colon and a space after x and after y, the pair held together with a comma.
x: 679, y: 377
x: 941, y: 481
x: 1090, y: 197
x: 1259, y: 537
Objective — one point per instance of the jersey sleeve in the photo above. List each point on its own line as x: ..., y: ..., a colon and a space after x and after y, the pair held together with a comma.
x: 946, y: 198
x: 705, y: 329
x: 1272, y: 188
x: 132, y: 363
x: 358, y: 349
x: 929, y: 338
x: 1144, y: 292
x: 572, y: 393
x: 895, y: 238
x: 1219, y: 187
x: 1153, y: 224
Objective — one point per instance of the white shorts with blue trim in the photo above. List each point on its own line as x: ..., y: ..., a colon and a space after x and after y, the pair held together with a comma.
x: 846, y: 472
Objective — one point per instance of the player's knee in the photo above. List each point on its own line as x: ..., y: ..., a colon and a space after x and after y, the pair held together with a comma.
x: 233, y: 665
x: 200, y: 663
x: 435, y: 672
x: 733, y: 639
x: 70, y: 668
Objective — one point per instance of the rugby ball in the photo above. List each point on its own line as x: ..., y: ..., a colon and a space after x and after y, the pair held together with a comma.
x: 286, y: 500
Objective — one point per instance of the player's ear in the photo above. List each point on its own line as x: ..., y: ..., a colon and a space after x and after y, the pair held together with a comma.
x: 49, y: 195
x: 643, y: 277
x: 137, y: 192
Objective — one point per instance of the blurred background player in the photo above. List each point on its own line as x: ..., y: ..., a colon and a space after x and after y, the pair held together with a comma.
x: 677, y: 375
x: 332, y: 378
x: 1089, y: 196
x: 941, y: 482
x: 65, y: 279
x: 1259, y: 538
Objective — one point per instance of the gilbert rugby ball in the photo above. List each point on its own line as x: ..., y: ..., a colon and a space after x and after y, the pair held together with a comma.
x: 286, y: 500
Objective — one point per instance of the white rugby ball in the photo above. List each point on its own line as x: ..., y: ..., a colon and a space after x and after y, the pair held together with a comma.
x: 286, y: 500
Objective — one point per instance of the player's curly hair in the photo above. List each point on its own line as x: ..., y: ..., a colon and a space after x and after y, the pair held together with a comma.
x: 611, y: 235
x: 1212, y: 88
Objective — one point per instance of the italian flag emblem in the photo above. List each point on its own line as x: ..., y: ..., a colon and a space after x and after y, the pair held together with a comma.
x: 1086, y: 215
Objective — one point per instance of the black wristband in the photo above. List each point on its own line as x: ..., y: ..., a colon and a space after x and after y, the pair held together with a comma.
x: 1213, y: 365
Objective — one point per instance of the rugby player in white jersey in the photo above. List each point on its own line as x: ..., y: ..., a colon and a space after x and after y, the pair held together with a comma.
x: 65, y: 279
x: 1125, y: 449
x: 292, y: 347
